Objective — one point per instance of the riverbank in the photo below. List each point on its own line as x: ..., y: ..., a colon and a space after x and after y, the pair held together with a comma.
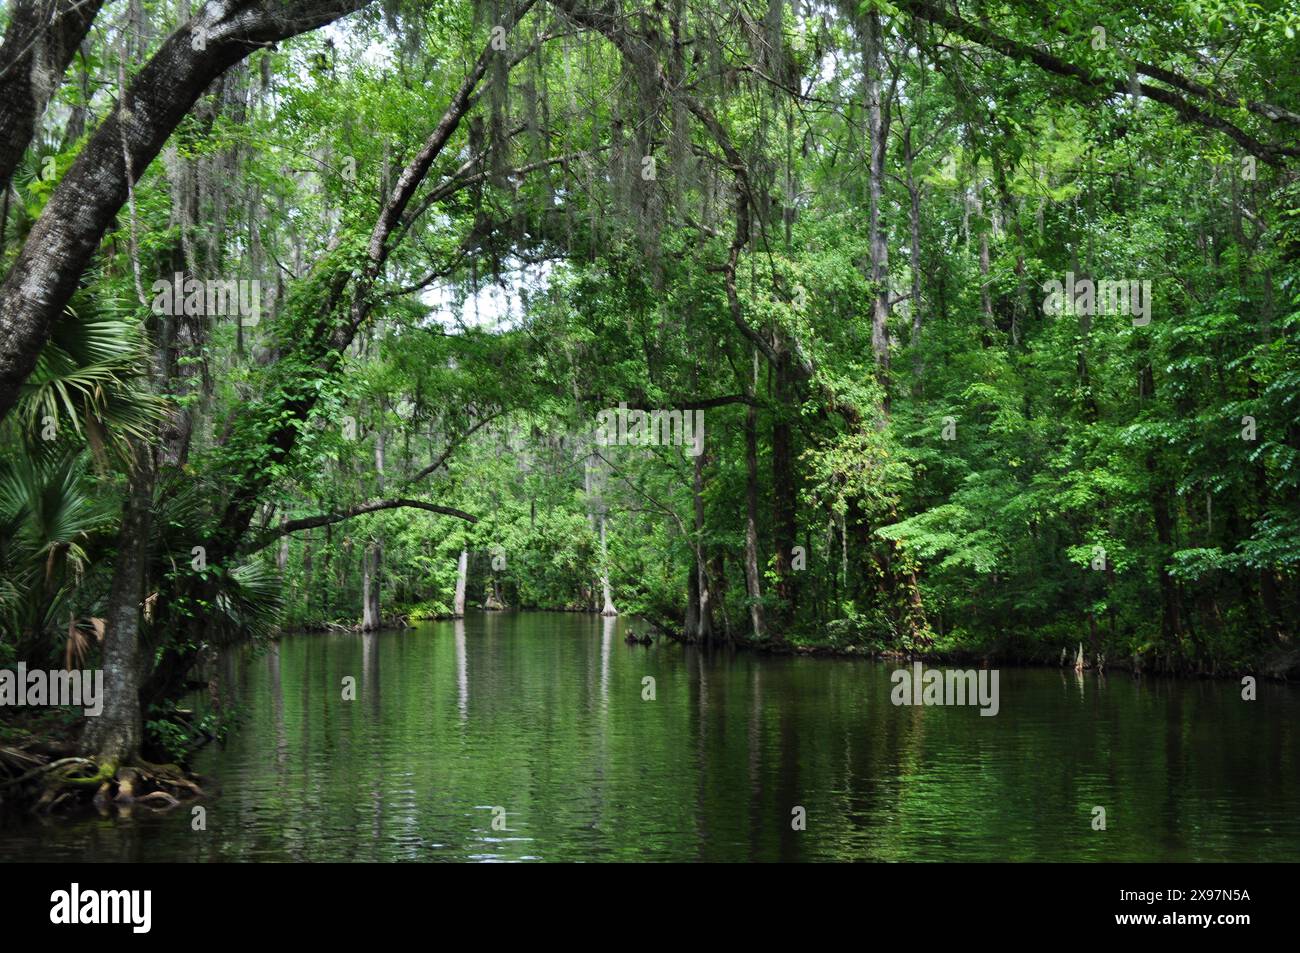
x: 44, y: 769
x: 1279, y: 664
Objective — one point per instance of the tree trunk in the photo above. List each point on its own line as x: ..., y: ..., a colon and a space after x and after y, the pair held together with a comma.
x: 370, y: 617
x: 115, y: 736
x: 914, y: 228
x: 1170, y: 621
x: 878, y: 123
x: 753, y: 577
x: 39, y: 43
x: 986, y: 294
x: 47, y: 271
x: 691, y: 628
x: 371, y: 610
x: 784, y: 517
x: 606, y: 592
x: 462, y: 575
x: 705, y: 614
x: 306, y: 570
x: 1024, y: 305
x: 718, y: 574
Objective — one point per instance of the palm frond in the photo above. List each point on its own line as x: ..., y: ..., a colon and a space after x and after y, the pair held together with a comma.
x: 90, y: 375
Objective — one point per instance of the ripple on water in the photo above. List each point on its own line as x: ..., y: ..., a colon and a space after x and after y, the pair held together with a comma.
x: 542, y: 715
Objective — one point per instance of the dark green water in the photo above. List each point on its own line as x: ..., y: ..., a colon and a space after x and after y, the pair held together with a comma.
x: 542, y: 715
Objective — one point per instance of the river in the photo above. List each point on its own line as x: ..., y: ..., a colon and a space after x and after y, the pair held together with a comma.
x: 529, y: 736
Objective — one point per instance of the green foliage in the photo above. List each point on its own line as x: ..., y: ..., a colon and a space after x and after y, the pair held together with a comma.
x: 997, y: 476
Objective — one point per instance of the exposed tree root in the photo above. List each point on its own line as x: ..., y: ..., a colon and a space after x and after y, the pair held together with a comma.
x: 65, y: 783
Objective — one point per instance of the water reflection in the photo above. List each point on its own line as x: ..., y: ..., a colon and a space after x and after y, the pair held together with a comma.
x: 559, y: 736
x: 462, y: 670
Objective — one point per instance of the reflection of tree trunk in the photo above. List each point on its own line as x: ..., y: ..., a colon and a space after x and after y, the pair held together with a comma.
x: 608, y: 625
x: 462, y: 669
x: 276, y: 689
x: 117, y: 733
x: 462, y: 576
x: 370, y: 669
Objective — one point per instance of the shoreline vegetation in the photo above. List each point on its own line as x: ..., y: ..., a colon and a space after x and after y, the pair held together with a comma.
x: 1281, y: 664
x: 1278, y: 664
x: 912, y: 330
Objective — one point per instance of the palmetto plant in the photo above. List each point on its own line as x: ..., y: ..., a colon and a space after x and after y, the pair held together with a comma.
x: 87, y: 392
x: 89, y: 377
x: 51, y: 526
x: 237, y: 605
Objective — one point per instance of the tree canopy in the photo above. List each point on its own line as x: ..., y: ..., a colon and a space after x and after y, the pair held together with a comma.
x: 923, y: 327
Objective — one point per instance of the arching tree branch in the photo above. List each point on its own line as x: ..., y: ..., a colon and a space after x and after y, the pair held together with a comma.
x: 60, y: 245
x: 325, y: 519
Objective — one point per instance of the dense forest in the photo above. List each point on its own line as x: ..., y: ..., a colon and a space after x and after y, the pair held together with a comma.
x: 934, y: 327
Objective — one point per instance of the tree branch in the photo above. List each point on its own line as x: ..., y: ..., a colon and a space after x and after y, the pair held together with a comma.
x: 451, y: 447
x: 1272, y: 153
x: 325, y: 519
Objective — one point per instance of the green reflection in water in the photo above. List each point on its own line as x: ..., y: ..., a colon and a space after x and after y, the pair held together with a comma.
x: 542, y: 715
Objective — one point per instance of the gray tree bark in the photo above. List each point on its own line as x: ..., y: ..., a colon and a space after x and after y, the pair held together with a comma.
x: 462, y: 576
x: 606, y: 592
x: 39, y: 43
x: 115, y: 735
x: 371, y: 610
x: 704, y: 617
x: 878, y: 124
x: 914, y: 227
x: 753, y: 577
x: 370, y: 618
x: 60, y: 245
